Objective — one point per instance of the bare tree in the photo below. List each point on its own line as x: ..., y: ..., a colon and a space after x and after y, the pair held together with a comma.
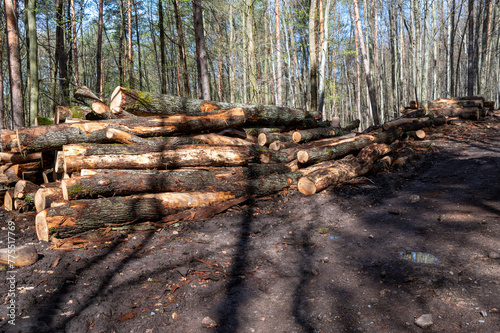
x: 16, y: 91
x: 99, y: 66
x: 74, y: 44
x: 313, y: 59
x: 470, y: 52
x: 279, y: 90
x: 2, y: 101
x: 201, y: 52
x: 371, y: 90
x: 33, y: 62
x: 184, y: 84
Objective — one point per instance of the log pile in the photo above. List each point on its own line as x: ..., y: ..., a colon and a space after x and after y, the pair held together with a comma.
x: 160, y: 158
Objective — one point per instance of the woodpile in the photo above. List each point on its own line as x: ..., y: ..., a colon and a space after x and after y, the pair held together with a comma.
x: 159, y: 158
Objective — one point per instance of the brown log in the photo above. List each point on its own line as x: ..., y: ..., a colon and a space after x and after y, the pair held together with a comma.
x: 120, y: 136
x: 334, y: 151
x: 45, y: 196
x: 8, y: 200
x: 278, y: 145
x: 382, y: 165
x: 105, y: 156
x: 24, y: 187
x: 99, y: 111
x: 490, y: 105
x: 437, y: 121
x: 402, y: 121
x: 464, y: 113
x: 352, y: 125
x: 264, y: 139
x: 150, y: 104
x: 17, y: 158
x: 455, y: 103
x: 41, y: 138
x: 312, y: 134
x: 103, y: 183
x: 342, y: 170
x: 413, y: 113
x: 419, y: 134
x: 215, y: 139
x: 87, y: 214
x: 19, y: 256
x: 413, y: 105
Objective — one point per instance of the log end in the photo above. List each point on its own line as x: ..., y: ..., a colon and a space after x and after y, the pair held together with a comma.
x: 262, y: 139
x: 265, y: 158
x: 8, y: 201
x: 25, y: 255
x: 296, y: 136
x: 302, y: 156
x: 306, y: 186
x: 19, y: 189
x: 275, y: 145
x: 420, y: 134
x: 42, y: 229
x: 40, y: 202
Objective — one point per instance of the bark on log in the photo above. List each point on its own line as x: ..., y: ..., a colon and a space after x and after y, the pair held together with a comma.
x: 104, y: 156
x: 83, y: 215
x: 86, y: 95
x: 23, y: 255
x: 215, y: 139
x: 264, y: 139
x: 313, y: 134
x: 464, y: 113
x: 17, y: 158
x: 455, y: 103
x: 343, y: 170
x: 150, y: 104
x: 438, y: 121
x: 278, y: 145
x: 120, y: 136
x: 106, y: 183
x: 402, y: 121
x: 99, y: 111
x: 45, y: 196
x: 41, y: 138
x: 490, y: 105
x: 24, y: 187
x: 418, y: 135
x: 334, y: 151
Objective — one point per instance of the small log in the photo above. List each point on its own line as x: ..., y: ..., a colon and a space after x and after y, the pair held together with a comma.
x: 17, y: 158
x: 312, y: 134
x: 437, y: 121
x: 86, y: 95
x: 45, y: 196
x: 151, y: 104
x: 343, y: 170
x: 8, y: 200
x: 264, y: 139
x: 490, y: 105
x: 418, y: 135
x: 105, y: 156
x: 455, y: 103
x: 464, y: 113
x: 255, y: 131
x: 413, y: 113
x: 132, y: 139
x: 278, y: 145
x: 24, y: 187
x: 21, y: 256
x: 382, y: 165
x: 100, y: 111
x: 335, y: 122
x: 334, y: 151
x: 215, y: 139
x: 413, y: 105
x: 352, y: 125
x: 104, y: 183
x: 402, y: 121
x: 42, y: 138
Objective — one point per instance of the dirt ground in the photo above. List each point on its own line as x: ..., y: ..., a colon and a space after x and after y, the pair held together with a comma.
x: 372, y: 255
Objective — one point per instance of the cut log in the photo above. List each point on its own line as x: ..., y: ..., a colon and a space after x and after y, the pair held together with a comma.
x: 99, y: 111
x: 45, y: 196
x: 334, y: 151
x: 419, y: 135
x: 17, y: 158
x: 8, y: 200
x: 41, y: 138
x: 24, y: 187
x: 255, y: 131
x: 106, y: 156
x: 312, y: 134
x: 278, y: 145
x: 120, y: 136
x: 414, y: 106
x: 413, y: 113
x: 437, y: 121
x: 464, y: 113
x: 215, y: 139
x: 21, y: 256
x: 83, y: 215
x: 352, y: 125
x: 264, y: 139
x: 455, y: 103
x: 402, y: 121
x: 343, y: 170
x: 106, y: 183
x: 150, y: 104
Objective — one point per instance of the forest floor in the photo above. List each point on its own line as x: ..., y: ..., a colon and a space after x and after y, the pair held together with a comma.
x: 372, y: 255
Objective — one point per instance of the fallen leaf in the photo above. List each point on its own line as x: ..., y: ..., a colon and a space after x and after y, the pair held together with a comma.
x: 127, y: 316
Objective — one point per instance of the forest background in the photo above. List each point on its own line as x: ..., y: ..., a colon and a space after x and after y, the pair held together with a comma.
x: 351, y: 59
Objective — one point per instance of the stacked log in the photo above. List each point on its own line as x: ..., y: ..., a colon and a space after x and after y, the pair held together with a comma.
x: 160, y: 158
x: 469, y: 107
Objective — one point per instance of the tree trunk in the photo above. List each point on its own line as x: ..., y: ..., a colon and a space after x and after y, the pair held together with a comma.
x: 279, y: 90
x: 130, y: 54
x: 99, y: 63
x: 112, y: 156
x: 33, y: 61
x: 61, y: 56
x: 74, y: 44
x: 471, y: 51
x: 42, y: 138
x: 15, y: 75
x: 144, y: 104
x: 201, y: 51
x: 185, y: 91
x: 25, y: 255
x: 313, y: 65
x: 343, y: 170
x: 2, y: 99
x: 106, y: 183
x: 371, y: 89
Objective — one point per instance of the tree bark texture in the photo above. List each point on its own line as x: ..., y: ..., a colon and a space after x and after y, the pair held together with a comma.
x: 50, y: 137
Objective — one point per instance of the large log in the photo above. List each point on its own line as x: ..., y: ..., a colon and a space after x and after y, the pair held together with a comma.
x: 45, y: 196
x: 87, y: 214
x: 151, y: 104
x: 17, y: 158
x: 264, y: 139
x: 124, y: 182
x: 437, y: 121
x: 41, y: 138
x: 342, y: 170
x: 106, y: 156
x: 455, y: 103
x: 402, y: 121
x: 334, y: 151
x: 464, y: 113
